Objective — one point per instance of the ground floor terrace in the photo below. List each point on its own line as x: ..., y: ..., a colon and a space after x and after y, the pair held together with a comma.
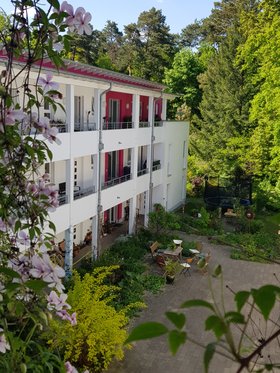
x: 153, y: 355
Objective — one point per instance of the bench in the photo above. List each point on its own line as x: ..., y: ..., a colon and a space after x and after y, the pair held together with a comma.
x: 154, y: 247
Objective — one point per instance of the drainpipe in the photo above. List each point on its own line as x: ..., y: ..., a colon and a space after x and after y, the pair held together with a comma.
x: 152, y: 148
x: 99, y: 189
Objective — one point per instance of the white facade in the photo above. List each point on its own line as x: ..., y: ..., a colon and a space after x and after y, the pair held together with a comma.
x: 99, y: 169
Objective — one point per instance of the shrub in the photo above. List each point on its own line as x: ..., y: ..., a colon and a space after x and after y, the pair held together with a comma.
x: 99, y: 334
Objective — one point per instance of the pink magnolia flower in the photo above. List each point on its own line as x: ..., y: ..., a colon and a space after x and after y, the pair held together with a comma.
x: 47, y: 83
x: 81, y: 22
x: 50, y: 134
x: 11, y: 116
x: 23, y: 238
x: 69, y: 368
x: 73, y: 318
x: 44, y: 269
x: 57, y: 302
x: 4, y: 345
x: 3, y: 226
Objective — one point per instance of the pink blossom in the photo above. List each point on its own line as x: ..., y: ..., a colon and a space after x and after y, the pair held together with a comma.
x: 81, y: 22
x: 4, y: 345
x: 23, y: 238
x: 46, y: 270
x: 11, y: 116
x: 47, y: 83
x: 73, y: 318
x: 57, y: 302
x: 3, y: 226
x: 69, y: 368
x: 50, y: 134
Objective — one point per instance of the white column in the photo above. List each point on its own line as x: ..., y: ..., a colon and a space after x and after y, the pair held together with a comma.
x: 134, y: 162
x: 132, y: 215
x: 136, y: 110
x: 97, y: 112
x: 164, y: 109
x: 151, y: 111
x: 146, y: 209
x: 94, y: 229
x: 69, y: 107
x: 69, y: 239
x: 70, y: 181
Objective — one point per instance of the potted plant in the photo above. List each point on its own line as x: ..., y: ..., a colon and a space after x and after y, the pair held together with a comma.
x: 171, y: 268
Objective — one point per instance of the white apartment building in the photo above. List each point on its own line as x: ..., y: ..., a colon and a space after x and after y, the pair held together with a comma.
x: 118, y: 149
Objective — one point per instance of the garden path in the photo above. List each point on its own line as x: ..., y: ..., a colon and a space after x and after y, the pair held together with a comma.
x: 153, y: 356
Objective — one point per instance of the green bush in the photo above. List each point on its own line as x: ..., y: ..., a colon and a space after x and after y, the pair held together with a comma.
x: 99, y: 334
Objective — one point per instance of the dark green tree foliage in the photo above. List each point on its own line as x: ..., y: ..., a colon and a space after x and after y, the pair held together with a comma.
x: 192, y: 35
x: 85, y: 48
x: 111, y: 41
x: 224, y: 129
x: 155, y: 45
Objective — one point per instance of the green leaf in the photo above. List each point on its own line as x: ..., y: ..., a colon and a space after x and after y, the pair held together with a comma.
x: 197, y: 303
x: 17, y: 225
x: 201, y: 263
x: 241, y: 298
x: 147, y: 330
x: 265, y: 298
x: 208, y: 355
x: 9, y: 272
x: 217, y: 271
x: 36, y: 285
x: 215, y: 324
x: 235, y: 317
x: 176, y: 338
x: 54, y: 3
x: 178, y: 319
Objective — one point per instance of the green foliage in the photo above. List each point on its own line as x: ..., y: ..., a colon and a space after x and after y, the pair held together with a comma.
x: 182, y: 78
x: 160, y: 221
x: 100, y: 332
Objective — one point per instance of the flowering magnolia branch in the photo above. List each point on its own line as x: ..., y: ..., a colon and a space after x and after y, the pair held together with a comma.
x: 30, y: 283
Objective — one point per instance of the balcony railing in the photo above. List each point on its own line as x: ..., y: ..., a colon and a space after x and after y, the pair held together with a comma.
x: 142, y: 172
x: 83, y: 192
x: 79, y: 127
x: 117, y: 125
x: 144, y: 124
x: 158, y: 124
x: 156, y: 165
x: 116, y: 181
x: 62, y: 199
x: 62, y: 127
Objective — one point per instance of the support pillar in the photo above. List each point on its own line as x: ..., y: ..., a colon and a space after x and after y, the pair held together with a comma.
x: 69, y: 240
x: 94, y: 243
x: 146, y: 208
x: 132, y: 215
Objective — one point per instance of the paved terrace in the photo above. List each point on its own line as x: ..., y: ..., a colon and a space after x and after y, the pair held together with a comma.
x: 153, y: 356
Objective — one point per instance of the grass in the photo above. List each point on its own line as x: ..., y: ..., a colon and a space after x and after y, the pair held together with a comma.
x: 271, y: 222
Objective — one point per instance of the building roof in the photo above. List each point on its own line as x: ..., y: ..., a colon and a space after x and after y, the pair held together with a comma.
x: 81, y: 69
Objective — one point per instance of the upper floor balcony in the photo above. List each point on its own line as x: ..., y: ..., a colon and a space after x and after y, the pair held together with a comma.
x: 110, y: 125
x: 86, y: 126
x: 116, y: 181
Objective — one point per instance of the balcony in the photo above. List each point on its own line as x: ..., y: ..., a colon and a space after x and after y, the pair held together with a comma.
x: 144, y: 124
x: 83, y: 192
x: 142, y: 172
x: 116, y: 181
x: 62, y: 199
x: 79, y: 127
x: 156, y: 165
x: 158, y: 124
x: 117, y: 125
x: 60, y: 125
